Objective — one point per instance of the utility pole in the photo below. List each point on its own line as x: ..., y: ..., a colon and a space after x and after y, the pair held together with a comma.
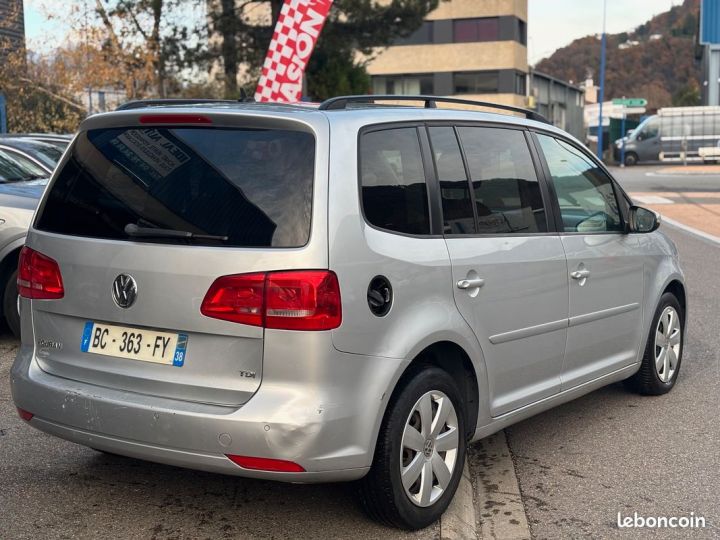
x: 601, y: 92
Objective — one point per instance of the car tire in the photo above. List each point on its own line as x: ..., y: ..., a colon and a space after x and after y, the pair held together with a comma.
x: 10, y: 304
x: 631, y: 159
x: 661, y: 361
x: 430, y: 460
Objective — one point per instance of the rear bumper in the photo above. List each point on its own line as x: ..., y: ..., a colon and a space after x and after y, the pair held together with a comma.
x: 324, y: 417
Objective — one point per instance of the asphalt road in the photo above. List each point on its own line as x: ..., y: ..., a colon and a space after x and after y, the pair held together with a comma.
x: 652, y: 178
x: 612, y: 451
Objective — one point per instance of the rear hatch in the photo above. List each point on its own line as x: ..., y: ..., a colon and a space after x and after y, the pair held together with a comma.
x: 239, y: 200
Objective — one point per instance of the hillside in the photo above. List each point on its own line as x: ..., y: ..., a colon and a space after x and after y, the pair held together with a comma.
x: 660, y: 66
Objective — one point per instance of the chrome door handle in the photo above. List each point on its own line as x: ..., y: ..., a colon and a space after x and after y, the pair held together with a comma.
x: 470, y: 283
x: 580, y: 274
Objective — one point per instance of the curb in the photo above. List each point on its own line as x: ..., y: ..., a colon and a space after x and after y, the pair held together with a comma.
x: 458, y: 522
x: 494, y: 509
x: 691, y: 230
x: 499, y: 502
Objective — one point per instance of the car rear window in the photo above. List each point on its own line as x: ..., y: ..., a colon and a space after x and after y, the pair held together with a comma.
x: 253, y: 187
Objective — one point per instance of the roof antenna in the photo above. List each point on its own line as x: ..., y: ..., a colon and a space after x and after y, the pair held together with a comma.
x: 244, y: 98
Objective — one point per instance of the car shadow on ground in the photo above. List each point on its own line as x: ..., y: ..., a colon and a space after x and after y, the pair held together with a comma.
x: 124, y: 497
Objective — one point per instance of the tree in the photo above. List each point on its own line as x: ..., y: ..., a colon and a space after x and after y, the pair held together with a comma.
x: 687, y: 96
x: 149, y: 40
x: 35, y: 100
x: 242, y: 37
x: 33, y: 104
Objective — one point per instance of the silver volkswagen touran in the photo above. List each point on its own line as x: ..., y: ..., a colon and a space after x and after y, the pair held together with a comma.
x: 338, y: 292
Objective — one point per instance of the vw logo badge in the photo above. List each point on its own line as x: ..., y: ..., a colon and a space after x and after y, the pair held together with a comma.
x: 124, y: 290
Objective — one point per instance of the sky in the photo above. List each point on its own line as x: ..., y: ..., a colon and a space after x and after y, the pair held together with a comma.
x: 551, y: 23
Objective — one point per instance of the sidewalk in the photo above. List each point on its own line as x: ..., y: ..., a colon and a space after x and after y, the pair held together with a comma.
x: 700, y: 210
x: 690, y: 169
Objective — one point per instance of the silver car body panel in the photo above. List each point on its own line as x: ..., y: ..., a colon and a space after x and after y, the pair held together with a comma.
x: 319, y: 397
x: 608, y: 303
x: 519, y: 314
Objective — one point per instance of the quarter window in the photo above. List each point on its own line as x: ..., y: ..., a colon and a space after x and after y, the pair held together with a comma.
x: 585, y: 193
x: 394, y: 192
x: 505, y: 187
x: 458, y: 217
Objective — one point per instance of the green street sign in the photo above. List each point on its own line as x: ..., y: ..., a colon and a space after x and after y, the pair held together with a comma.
x: 630, y: 102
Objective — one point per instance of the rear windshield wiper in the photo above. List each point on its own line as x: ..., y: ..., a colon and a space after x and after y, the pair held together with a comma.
x: 131, y: 229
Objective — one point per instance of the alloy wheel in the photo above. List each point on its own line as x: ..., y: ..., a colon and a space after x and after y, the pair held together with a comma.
x: 668, y: 335
x: 429, y: 449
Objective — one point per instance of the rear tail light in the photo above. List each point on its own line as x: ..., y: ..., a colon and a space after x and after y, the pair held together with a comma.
x: 307, y: 300
x: 265, y: 464
x: 292, y: 300
x: 39, y: 276
x: 27, y: 416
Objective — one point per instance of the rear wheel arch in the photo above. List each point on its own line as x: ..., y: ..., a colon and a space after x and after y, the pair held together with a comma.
x: 454, y: 360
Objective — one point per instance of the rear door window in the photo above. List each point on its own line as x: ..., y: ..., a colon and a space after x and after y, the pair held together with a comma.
x: 458, y: 217
x: 251, y: 186
x: 392, y: 177
x: 506, y: 191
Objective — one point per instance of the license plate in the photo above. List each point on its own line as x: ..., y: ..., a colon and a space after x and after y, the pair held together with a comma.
x: 134, y: 343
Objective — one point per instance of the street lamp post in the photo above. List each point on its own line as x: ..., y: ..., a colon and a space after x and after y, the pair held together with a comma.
x: 601, y: 92
x: 623, y: 137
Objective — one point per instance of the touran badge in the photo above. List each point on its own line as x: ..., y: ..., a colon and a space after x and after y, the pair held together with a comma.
x: 124, y: 290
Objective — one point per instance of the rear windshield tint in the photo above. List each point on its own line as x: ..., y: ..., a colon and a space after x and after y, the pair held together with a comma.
x: 252, y: 186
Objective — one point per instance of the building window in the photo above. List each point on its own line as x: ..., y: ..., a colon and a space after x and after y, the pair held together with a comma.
x: 520, y: 84
x: 479, y: 82
x: 522, y: 32
x: 421, y: 36
x: 471, y: 30
x: 403, y: 84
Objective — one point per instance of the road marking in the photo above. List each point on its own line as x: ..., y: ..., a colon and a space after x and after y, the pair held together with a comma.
x: 498, y: 500
x: 691, y: 230
x: 652, y: 199
x: 458, y: 522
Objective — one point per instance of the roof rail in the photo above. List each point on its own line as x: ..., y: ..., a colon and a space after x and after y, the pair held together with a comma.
x: 341, y: 102
x: 142, y: 103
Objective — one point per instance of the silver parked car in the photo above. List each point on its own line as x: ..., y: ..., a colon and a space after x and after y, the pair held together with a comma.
x: 342, y: 292
x: 22, y: 182
x: 41, y: 154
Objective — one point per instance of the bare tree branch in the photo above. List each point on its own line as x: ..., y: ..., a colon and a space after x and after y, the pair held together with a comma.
x: 108, y: 26
x: 135, y: 20
x: 66, y: 101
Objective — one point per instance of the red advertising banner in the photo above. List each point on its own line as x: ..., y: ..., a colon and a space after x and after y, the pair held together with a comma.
x: 296, y: 33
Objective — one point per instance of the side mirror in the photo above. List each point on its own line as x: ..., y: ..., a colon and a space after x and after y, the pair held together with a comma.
x: 643, y: 220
